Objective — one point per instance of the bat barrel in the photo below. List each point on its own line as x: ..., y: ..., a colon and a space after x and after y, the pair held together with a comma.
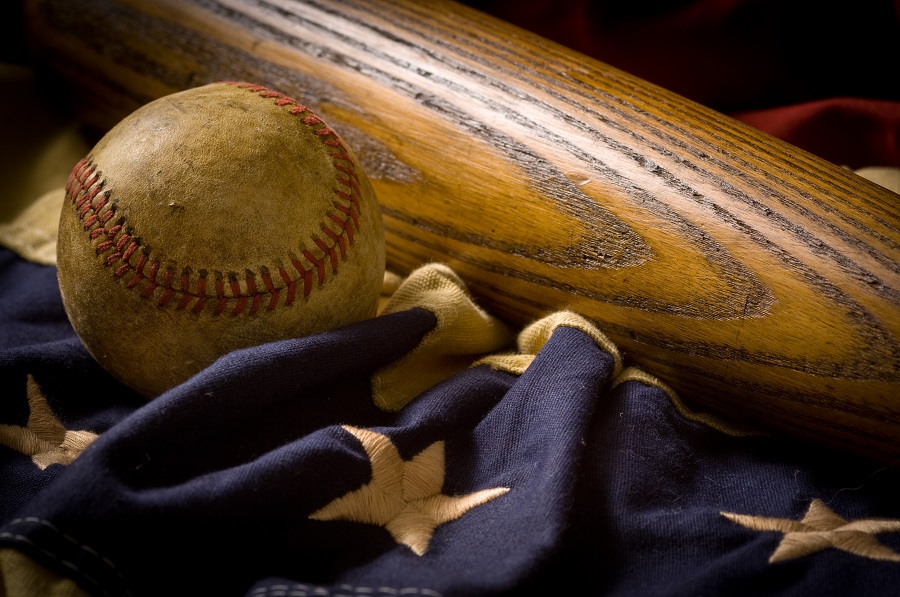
x: 757, y: 280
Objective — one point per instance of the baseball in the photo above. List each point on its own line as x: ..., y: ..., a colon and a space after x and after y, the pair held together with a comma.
x: 213, y: 219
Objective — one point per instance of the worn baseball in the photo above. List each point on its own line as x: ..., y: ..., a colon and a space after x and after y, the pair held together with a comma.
x: 210, y: 220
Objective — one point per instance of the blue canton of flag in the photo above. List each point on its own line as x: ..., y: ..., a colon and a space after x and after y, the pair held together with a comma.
x: 273, y: 472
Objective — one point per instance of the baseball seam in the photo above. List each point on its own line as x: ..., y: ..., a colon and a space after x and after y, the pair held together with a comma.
x: 122, y: 251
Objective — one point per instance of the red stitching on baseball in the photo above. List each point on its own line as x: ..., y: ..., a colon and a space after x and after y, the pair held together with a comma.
x: 201, y: 292
x: 352, y: 215
x: 219, y: 286
x: 118, y: 244
x: 273, y: 292
x: 291, y: 286
x: 106, y: 216
x: 251, y: 290
x: 168, y: 291
x: 184, y: 302
x: 320, y: 267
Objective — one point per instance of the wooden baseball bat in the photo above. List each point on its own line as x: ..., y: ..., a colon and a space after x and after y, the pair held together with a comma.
x: 757, y: 280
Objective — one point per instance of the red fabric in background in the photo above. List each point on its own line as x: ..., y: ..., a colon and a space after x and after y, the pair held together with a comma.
x: 851, y: 132
x: 824, y: 77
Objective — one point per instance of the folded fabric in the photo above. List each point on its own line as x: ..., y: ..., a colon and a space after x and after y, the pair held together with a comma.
x: 274, y: 472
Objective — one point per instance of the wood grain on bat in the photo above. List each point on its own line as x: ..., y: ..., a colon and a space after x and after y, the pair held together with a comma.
x: 756, y: 279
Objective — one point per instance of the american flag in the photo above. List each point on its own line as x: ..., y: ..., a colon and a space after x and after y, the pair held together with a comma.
x: 274, y: 473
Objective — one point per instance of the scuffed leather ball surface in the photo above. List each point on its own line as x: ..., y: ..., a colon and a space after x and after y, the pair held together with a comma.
x: 212, y: 219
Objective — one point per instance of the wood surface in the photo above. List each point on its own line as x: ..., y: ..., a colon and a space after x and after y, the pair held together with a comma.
x: 757, y: 280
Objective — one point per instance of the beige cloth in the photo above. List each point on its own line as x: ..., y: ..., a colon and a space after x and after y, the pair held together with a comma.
x: 464, y: 333
x: 41, y: 145
x: 32, y: 233
x: 20, y: 576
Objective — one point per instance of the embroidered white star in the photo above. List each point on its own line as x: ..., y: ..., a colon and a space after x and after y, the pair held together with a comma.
x: 820, y: 529
x: 403, y: 496
x: 44, y: 438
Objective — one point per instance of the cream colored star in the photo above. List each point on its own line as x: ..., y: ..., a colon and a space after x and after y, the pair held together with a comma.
x: 403, y: 496
x: 44, y: 438
x: 820, y: 529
